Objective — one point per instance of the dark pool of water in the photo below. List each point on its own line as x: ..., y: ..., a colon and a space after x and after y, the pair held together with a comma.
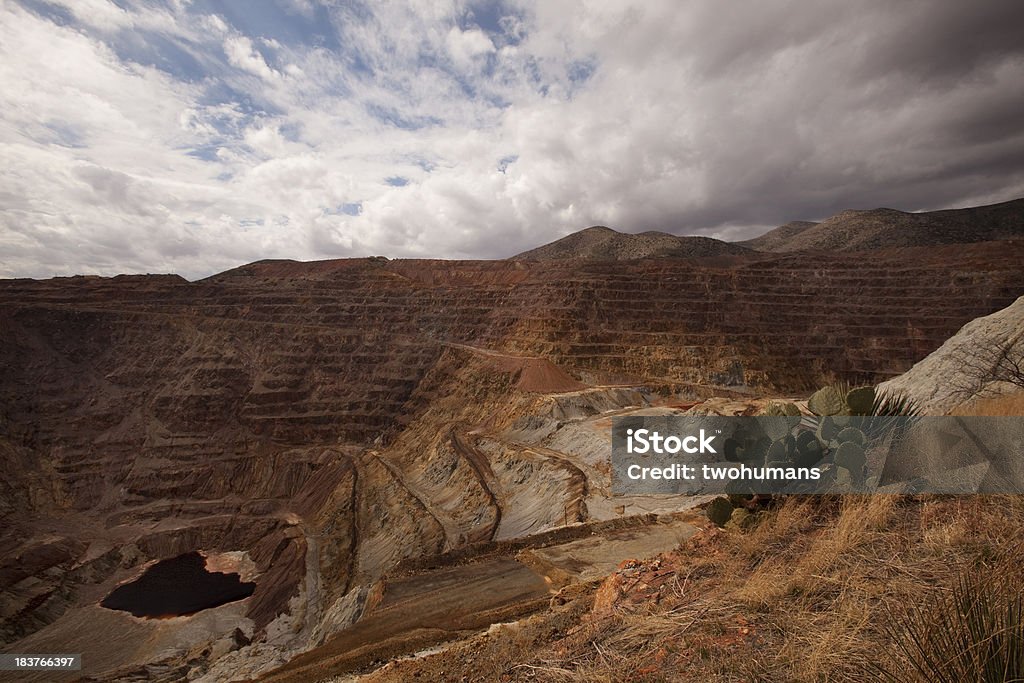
x: 177, y: 587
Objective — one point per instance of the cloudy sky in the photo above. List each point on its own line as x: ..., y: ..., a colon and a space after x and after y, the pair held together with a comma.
x: 195, y: 135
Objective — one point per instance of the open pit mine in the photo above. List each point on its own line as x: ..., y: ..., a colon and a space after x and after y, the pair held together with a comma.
x: 292, y: 471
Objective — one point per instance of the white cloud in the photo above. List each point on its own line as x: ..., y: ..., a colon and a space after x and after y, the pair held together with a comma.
x: 101, y: 14
x: 214, y: 23
x: 412, y: 131
x: 243, y: 54
x: 465, y: 46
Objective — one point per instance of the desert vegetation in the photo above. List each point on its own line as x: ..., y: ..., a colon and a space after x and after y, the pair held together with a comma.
x: 985, y: 371
x: 812, y: 589
x: 1009, y: 405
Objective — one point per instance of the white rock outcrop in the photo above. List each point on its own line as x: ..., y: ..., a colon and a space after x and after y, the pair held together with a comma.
x: 937, y: 382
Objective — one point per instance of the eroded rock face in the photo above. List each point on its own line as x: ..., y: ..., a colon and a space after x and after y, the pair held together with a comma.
x: 330, y: 420
x: 966, y: 365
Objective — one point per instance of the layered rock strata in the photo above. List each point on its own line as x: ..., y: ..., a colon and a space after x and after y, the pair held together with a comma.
x: 325, y: 422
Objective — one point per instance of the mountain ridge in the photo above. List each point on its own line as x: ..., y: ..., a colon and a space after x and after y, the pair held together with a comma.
x: 868, y: 229
x: 600, y: 243
x: 848, y: 230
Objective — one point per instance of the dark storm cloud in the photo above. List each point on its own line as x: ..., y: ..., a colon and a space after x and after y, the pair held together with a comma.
x: 945, y: 41
x: 814, y: 108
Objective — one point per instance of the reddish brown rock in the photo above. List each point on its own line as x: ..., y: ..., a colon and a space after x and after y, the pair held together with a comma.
x: 330, y: 420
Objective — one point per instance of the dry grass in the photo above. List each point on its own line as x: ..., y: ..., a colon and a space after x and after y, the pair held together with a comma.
x: 974, y: 632
x: 1012, y: 404
x: 806, y: 595
x: 816, y: 581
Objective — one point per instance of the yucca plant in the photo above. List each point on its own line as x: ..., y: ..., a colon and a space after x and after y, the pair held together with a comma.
x: 975, y: 633
x: 877, y: 412
x: 894, y: 405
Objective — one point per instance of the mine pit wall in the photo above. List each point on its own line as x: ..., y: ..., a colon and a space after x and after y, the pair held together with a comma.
x: 239, y: 408
x: 784, y: 322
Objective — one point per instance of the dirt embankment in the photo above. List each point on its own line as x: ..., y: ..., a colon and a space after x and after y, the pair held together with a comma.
x: 463, y: 592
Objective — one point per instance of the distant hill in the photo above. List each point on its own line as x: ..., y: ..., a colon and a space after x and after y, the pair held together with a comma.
x: 604, y: 244
x: 851, y: 230
x: 883, y: 228
x: 774, y: 239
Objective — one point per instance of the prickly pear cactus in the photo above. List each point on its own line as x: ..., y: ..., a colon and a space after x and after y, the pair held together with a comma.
x: 808, y: 450
x: 740, y: 519
x: 776, y: 427
x: 734, y: 451
x: 826, y: 401
x: 719, y: 510
x: 852, y: 435
x: 827, y: 430
x: 837, y: 400
x: 850, y: 456
x: 860, y: 400
x: 746, y: 448
x: 739, y: 500
x: 778, y: 453
x: 782, y: 409
x: 807, y: 440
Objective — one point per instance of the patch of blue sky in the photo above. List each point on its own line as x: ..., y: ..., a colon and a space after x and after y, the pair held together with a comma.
x: 496, y: 18
x: 151, y: 48
x: 290, y: 131
x: 497, y: 101
x: 506, y: 161
x: 426, y: 164
x: 351, y: 19
x: 580, y: 71
x: 428, y: 60
x: 141, y: 46
x: 65, y: 134
x: 220, y: 92
x: 347, y: 209
x: 61, y: 16
x: 277, y: 21
x: 205, y: 152
x: 475, y: 86
x: 468, y: 87
x: 357, y: 63
x: 393, y: 117
x: 490, y: 63
x: 396, y: 181
x: 531, y: 69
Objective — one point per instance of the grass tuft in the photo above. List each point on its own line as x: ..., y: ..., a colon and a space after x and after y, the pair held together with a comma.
x: 974, y: 633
